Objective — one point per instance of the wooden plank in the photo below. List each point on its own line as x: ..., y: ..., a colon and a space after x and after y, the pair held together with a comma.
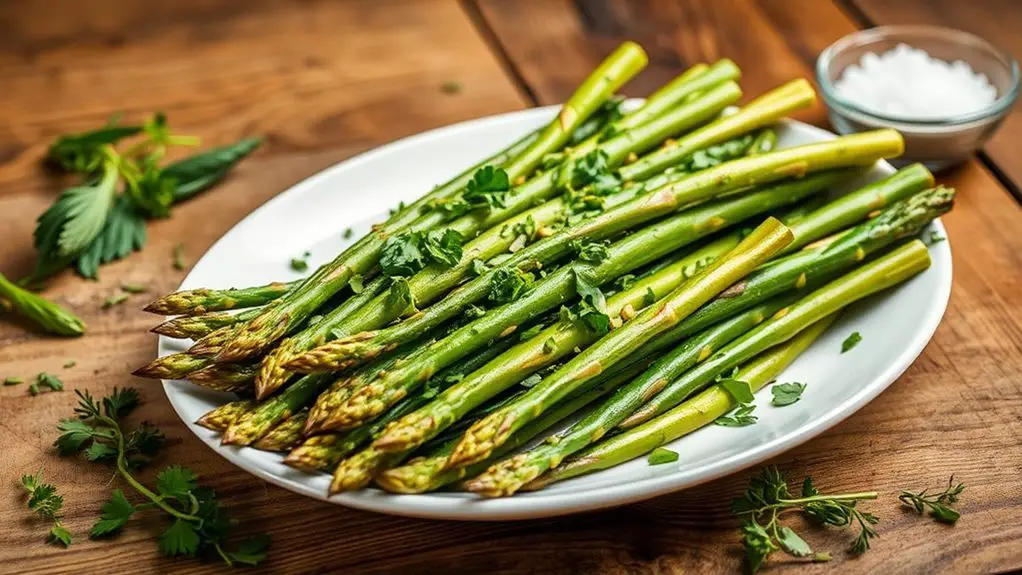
x: 957, y: 410
x: 322, y: 80
x: 996, y: 21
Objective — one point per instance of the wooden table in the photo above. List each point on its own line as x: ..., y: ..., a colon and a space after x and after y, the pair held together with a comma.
x: 324, y: 80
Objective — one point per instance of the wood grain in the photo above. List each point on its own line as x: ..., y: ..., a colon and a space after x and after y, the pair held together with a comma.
x: 998, y: 22
x: 235, y: 68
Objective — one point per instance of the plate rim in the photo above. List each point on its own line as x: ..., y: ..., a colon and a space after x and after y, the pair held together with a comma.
x: 457, y: 507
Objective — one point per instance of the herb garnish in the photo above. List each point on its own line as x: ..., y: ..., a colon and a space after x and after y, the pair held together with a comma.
x: 787, y: 393
x: 937, y: 503
x: 851, y: 341
x: 661, y: 455
x: 768, y: 496
x: 44, y: 500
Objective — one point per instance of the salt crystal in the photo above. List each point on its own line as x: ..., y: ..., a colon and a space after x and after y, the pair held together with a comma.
x: 907, y: 82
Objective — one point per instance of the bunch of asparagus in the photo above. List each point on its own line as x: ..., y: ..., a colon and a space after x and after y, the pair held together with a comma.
x: 604, y: 270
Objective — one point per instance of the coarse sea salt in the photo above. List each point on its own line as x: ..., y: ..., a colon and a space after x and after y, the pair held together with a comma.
x: 908, y: 83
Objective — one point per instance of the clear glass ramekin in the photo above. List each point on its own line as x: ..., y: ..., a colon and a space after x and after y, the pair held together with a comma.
x: 938, y: 143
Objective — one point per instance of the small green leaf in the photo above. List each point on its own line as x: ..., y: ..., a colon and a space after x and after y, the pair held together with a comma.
x: 299, y: 264
x: 177, y: 482
x: 508, y: 285
x: 740, y: 417
x: 59, y: 534
x: 590, y: 251
x: 740, y: 390
x: 649, y: 298
x: 179, y: 257
x: 179, y: 539
x: 549, y: 345
x: 479, y: 267
x: 450, y: 87
x: 133, y: 288
x: 115, y: 299
x: 794, y: 544
x: 201, y: 171
x: 787, y: 393
x: 821, y: 557
x: 14, y: 380
x: 348, y: 232
x: 50, y: 381
x: 851, y: 341
x: 530, y: 333
x: 661, y: 455
x: 356, y: 283
x: 114, y: 514
x: 70, y: 363
x: 252, y: 551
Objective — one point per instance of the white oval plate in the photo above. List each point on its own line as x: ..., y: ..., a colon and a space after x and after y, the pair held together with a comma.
x: 312, y: 215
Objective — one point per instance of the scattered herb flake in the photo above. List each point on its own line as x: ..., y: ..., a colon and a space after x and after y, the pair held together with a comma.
x: 450, y: 87
x: 936, y: 503
x: 532, y: 380
x: 133, y: 288
x: 299, y: 264
x: 850, y: 342
x: 740, y: 417
x: 661, y: 455
x: 787, y: 393
x: 70, y: 363
x: 115, y: 299
x: 14, y: 380
x: 549, y: 345
x: 348, y: 232
x: 649, y: 298
x: 179, y: 256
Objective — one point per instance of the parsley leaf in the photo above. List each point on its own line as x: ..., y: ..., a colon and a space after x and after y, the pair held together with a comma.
x: 179, y: 539
x: 406, y: 254
x: 590, y: 251
x: 661, y: 455
x: 300, y: 264
x: 487, y: 188
x: 851, y: 341
x: 444, y: 246
x: 787, y: 393
x: 740, y: 417
x: 114, y: 514
x: 47, y: 504
x: 399, y: 298
x: 203, y: 170
x: 591, y: 310
x: 937, y: 503
x: 122, y: 233
x: 83, y: 152
x: 508, y: 285
x: 740, y: 390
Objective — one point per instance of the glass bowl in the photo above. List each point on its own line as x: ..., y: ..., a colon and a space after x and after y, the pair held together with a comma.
x: 939, y: 143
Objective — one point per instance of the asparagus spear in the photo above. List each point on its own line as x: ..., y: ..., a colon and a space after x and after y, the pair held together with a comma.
x: 427, y: 473
x: 173, y: 366
x: 887, y: 271
x: 507, y: 476
x: 204, y: 300
x: 629, y: 253
x: 196, y: 326
x: 322, y: 452
x: 274, y: 323
x: 220, y: 418
x: 284, y: 435
x: 225, y: 376
x: 252, y: 425
x: 687, y: 417
x: 48, y: 315
x: 489, y: 433
x: 544, y: 349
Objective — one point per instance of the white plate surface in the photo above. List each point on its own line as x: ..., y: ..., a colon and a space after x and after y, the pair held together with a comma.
x: 311, y: 216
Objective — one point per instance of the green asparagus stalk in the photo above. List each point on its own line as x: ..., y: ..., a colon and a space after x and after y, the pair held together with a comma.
x: 426, y: 473
x: 197, y: 326
x: 691, y: 415
x: 233, y: 377
x: 173, y: 366
x: 204, y: 300
x: 263, y: 331
x: 627, y: 254
x: 489, y: 433
x: 810, y: 267
x: 887, y: 271
x: 323, y: 452
x: 220, y: 418
x: 508, y: 476
x: 46, y: 314
x: 252, y: 425
x: 284, y: 435
x: 414, y: 428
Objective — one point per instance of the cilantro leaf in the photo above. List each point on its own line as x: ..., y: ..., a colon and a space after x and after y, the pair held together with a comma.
x: 59, y: 534
x: 740, y: 390
x: 399, y: 297
x: 176, y: 482
x: 74, y: 436
x: 661, y: 455
x: 787, y: 393
x: 794, y: 544
x: 487, y: 188
x: 402, y: 255
x: 591, y: 310
x: 251, y: 551
x: 590, y: 251
x: 444, y: 246
x: 851, y: 341
x: 179, y: 539
x: 114, y: 514
x: 507, y: 285
x: 83, y: 152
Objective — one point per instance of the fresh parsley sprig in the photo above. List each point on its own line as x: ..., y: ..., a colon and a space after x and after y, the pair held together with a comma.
x: 47, y: 504
x: 768, y: 497
x: 936, y: 503
x: 197, y: 523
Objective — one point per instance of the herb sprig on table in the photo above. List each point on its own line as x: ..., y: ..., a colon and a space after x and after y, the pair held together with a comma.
x: 47, y: 504
x: 197, y: 524
x: 103, y: 218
